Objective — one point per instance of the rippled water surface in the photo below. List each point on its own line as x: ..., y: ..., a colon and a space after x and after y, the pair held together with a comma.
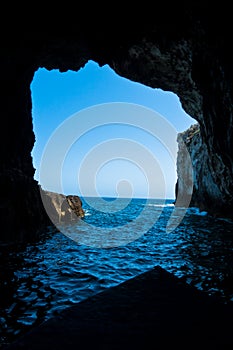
x: 39, y: 280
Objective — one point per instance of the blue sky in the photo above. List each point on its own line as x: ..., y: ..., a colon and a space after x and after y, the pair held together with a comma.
x: 57, y: 97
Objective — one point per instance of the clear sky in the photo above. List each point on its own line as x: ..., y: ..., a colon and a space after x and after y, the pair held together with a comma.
x: 109, y: 155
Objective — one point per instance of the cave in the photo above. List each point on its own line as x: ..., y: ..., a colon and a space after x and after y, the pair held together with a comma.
x: 183, y: 51
x: 183, y: 47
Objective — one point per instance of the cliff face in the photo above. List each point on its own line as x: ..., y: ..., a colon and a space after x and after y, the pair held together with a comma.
x: 196, y: 176
x: 180, y: 49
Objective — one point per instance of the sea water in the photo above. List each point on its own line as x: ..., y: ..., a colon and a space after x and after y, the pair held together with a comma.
x: 115, y: 241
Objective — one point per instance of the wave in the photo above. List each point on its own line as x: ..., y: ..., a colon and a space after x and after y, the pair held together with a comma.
x: 197, y: 211
x: 161, y: 205
x: 87, y: 212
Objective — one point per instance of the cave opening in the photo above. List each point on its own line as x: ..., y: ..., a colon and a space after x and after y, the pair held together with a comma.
x: 57, y: 97
x: 64, y: 272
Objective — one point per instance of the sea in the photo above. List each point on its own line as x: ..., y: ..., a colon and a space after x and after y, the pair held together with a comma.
x: 118, y: 239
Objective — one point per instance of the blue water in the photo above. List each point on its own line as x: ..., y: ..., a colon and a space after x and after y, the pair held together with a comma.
x: 115, y: 241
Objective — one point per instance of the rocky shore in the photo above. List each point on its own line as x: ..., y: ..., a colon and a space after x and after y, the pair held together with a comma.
x: 154, y: 310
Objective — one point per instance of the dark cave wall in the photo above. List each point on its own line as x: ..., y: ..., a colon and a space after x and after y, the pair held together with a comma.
x: 21, y: 211
x: 182, y: 50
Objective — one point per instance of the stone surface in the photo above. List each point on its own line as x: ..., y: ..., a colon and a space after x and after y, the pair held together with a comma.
x: 180, y: 47
x: 196, y: 176
x: 62, y: 208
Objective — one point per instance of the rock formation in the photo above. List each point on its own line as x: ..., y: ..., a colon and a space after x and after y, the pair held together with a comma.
x: 184, y: 47
x: 198, y: 177
x: 62, y: 209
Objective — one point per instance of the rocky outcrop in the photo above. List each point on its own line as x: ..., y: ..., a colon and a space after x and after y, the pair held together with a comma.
x: 196, y: 176
x: 181, y: 49
x: 62, y: 209
x: 19, y: 199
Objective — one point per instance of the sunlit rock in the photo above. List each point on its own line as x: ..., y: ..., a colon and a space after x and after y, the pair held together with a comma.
x: 208, y: 184
x: 61, y: 208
